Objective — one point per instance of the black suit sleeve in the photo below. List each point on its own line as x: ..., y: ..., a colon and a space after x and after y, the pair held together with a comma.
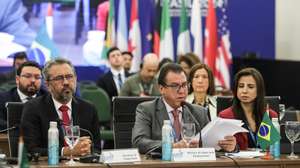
x: 96, y: 131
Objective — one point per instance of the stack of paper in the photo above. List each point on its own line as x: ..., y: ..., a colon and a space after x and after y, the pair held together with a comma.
x: 217, y: 129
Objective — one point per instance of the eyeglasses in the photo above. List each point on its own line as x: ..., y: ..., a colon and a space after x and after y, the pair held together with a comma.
x: 60, y: 78
x: 177, y: 87
x: 30, y: 76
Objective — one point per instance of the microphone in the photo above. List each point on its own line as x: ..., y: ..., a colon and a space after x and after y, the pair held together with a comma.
x: 10, y: 128
x: 191, y: 109
x: 91, y: 158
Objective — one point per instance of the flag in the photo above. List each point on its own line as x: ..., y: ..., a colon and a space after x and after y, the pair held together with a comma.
x: 43, y: 48
x: 267, y: 134
x: 166, y: 35
x: 22, y: 155
x: 122, y: 30
x: 110, y: 30
x: 224, y: 58
x: 49, y: 20
x: 196, y: 28
x: 156, y: 33
x: 183, y: 40
x: 147, y: 24
x: 134, y: 45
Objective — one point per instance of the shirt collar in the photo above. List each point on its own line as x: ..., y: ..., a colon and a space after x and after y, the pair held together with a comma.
x: 116, y: 72
x: 58, y: 104
x: 23, y: 97
x: 170, y: 109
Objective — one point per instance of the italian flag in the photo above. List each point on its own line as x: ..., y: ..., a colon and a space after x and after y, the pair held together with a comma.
x: 183, y: 40
x: 166, y: 35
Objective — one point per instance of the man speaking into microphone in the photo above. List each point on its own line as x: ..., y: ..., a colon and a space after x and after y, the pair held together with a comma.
x: 61, y: 106
x: 173, y: 86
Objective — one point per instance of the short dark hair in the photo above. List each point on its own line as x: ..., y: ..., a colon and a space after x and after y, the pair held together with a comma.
x: 111, y: 50
x: 56, y: 61
x: 211, y: 81
x: 19, y: 55
x: 128, y: 53
x: 163, y: 62
x: 170, y: 67
x: 28, y: 64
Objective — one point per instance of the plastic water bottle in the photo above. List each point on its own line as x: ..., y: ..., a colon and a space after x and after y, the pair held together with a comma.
x: 167, y: 140
x: 275, y: 148
x: 53, y: 144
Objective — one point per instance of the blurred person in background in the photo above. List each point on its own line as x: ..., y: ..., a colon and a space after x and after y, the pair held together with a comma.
x: 127, y: 60
x: 187, y: 61
x: 202, y: 88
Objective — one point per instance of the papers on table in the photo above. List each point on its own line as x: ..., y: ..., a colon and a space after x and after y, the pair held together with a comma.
x: 217, y: 129
x: 245, y: 154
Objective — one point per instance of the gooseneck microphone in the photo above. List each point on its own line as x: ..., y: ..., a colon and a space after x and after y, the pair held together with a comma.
x: 9, y: 129
x: 190, y: 111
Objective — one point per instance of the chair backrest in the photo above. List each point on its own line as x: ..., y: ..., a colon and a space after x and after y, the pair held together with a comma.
x: 100, y: 99
x: 224, y: 102
x: 14, y: 113
x: 124, y: 118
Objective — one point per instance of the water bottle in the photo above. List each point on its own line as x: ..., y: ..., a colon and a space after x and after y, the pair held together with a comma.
x: 275, y: 148
x: 167, y: 140
x: 53, y: 144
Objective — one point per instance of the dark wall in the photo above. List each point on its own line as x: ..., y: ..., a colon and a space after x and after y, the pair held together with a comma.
x: 281, y: 78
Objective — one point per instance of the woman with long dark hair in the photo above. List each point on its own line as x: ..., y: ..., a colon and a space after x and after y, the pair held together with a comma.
x: 248, y: 105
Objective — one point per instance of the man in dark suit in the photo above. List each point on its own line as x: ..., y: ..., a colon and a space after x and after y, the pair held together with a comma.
x: 28, y: 80
x: 113, y: 80
x: 60, y: 105
x: 173, y: 86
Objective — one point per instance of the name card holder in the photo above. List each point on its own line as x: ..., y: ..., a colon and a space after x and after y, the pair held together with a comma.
x: 121, y: 156
x: 193, y: 154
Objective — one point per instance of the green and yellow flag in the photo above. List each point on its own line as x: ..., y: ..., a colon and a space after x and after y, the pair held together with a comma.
x: 267, y: 133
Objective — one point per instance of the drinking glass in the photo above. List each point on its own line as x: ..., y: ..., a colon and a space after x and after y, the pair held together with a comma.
x: 281, y: 111
x: 292, y: 132
x: 188, y: 131
x: 72, y: 134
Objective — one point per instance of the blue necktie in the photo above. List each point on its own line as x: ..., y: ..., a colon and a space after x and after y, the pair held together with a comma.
x: 120, y: 80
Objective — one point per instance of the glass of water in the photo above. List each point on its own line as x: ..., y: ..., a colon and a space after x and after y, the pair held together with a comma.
x: 292, y: 132
x: 72, y: 134
x: 188, y: 131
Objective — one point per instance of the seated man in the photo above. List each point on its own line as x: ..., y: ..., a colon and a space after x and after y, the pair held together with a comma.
x: 28, y: 80
x: 173, y: 86
x: 60, y: 105
x: 143, y: 83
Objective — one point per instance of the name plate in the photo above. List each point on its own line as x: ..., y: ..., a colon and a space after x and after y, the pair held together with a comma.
x: 121, y: 156
x: 193, y: 154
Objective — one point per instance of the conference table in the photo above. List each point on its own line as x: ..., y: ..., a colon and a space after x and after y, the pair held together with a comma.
x: 221, y: 162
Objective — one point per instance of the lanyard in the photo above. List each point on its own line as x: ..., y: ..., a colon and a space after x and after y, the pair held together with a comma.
x: 252, y: 135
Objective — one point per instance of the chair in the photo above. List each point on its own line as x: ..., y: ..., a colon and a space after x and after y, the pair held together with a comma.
x: 224, y: 102
x: 124, y: 117
x: 100, y: 99
x: 14, y: 113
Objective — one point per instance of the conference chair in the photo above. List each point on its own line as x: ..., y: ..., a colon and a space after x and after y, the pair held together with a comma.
x: 224, y: 102
x: 14, y: 113
x: 124, y: 117
x: 100, y: 99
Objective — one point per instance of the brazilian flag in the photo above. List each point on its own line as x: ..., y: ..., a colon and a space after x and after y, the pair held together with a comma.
x: 267, y: 134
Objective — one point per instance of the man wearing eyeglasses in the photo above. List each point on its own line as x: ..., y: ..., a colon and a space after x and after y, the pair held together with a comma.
x: 63, y: 107
x: 173, y: 86
x: 28, y: 85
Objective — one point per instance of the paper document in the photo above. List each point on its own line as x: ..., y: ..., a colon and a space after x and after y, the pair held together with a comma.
x: 217, y: 129
x: 245, y: 154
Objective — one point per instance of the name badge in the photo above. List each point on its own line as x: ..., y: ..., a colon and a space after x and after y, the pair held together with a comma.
x: 193, y: 154
x: 121, y: 156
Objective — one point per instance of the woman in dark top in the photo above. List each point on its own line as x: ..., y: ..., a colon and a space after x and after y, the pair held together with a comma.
x: 248, y: 105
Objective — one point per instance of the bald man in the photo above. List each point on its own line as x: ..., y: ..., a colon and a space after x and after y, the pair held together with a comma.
x: 143, y: 83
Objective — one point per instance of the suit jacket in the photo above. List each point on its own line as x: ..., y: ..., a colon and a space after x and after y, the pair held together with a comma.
x: 11, y: 96
x: 107, y: 83
x: 146, y: 133
x: 241, y: 138
x: 37, y: 114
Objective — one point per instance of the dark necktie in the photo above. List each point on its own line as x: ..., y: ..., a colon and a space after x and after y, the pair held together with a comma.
x: 29, y: 98
x: 120, y: 81
x: 176, y: 124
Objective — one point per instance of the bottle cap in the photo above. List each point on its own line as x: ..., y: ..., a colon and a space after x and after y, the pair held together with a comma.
x: 53, y: 124
x: 167, y: 122
x: 275, y: 119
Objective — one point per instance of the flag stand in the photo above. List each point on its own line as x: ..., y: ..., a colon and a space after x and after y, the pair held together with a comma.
x: 267, y: 155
